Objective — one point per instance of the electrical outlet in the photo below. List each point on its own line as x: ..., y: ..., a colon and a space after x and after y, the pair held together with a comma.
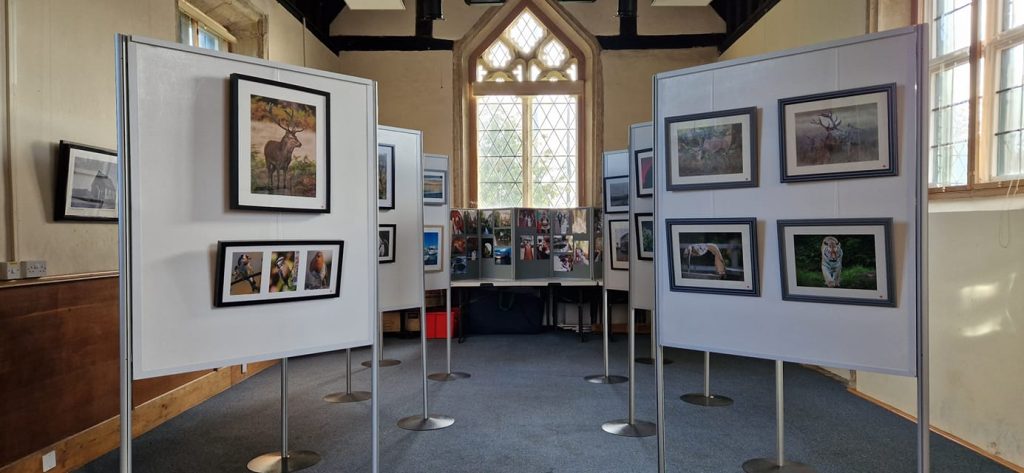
x: 33, y: 269
x: 50, y: 460
x: 9, y: 270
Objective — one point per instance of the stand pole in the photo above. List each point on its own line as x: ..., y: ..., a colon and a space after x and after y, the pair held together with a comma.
x: 348, y: 395
x: 659, y: 378
x: 631, y: 427
x: 649, y: 360
x: 779, y: 464
x: 706, y: 399
x: 285, y: 460
x: 605, y: 378
x: 380, y: 342
x: 425, y: 421
x: 448, y: 375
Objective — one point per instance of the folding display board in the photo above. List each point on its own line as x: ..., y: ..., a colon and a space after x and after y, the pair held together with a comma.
x: 176, y: 140
x: 400, y: 283
x: 641, y: 215
x: 495, y: 227
x: 436, y: 216
x: 837, y: 168
x: 616, y: 164
x: 466, y: 247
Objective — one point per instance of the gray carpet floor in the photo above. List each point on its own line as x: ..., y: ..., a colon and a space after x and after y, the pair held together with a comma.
x: 526, y: 408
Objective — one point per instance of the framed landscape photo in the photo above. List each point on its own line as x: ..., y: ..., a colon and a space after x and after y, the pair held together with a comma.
x: 713, y: 150
x: 86, y: 183
x: 262, y: 272
x: 616, y: 194
x: 644, y: 168
x: 386, y: 234
x: 837, y: 261
x: 839, y: 135
x: 713, y: 255
x: 644, y: 223
x: 280, y: 146
x: 618, y: 231
x: 435, y: 187
x: 385, y: 177
x: 433, y: 248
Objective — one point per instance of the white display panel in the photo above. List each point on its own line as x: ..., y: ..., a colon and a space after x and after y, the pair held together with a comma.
x: 616, y: 163
x: 882, y: 339
x: 437, y: 215
x: 177, y: 126
x: 641, y: 272
x: 401, y: 283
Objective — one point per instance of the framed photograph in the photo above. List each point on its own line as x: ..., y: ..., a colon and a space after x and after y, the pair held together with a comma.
x: 386, y: 234
x: 280, y: 146
x: 435, y: 187
x: 433, y: 248
x: 713, y: 150
x: 644, y: 166
x: 386, y: 177
x: 261, y: 272
x: 616, y: 194
x: 839, y: 135
x: 618, y: 231
x: 837, y: 261
x: 644, y: 223
x: 713, y: 255
x: 86, y: 183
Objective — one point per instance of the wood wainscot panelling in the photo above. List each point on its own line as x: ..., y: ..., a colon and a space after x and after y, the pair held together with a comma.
x: 59, y: 375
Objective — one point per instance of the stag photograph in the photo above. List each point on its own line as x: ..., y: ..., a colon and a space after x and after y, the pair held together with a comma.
x: 86, y: 183
x: 844, y: 134
x: 259, y: 272
x: 280, y: 146
x: 712, y: 150
x: 842, y: 261
x: 713, y: 255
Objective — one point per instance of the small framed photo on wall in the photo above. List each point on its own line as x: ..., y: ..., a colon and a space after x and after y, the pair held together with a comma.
x: 386, y: 235
x: 435, y: 187
x: 713, y: 255
x: 644, y: 168
x: 86, y: 183
x: 618, y: 244
x: 261, y: 272
x: 616, y: 194
x: 837, y: 261
x: 280, y: 146
x: 713, y: 150
x: 385, y: 177
x: 644, y: 223
x: 433, y: 248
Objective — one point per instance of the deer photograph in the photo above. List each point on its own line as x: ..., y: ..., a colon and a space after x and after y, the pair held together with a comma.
x: 837, y: 135
x: 283, y: 147
x: 710, y: 150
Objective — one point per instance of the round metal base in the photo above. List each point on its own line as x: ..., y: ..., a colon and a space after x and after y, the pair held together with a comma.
x: 354, y: 396
x: 699, y: 399
x: 638, y: 428
x: 273, y: 463
x: 764, y: 465
x: 382, y: 364
x: 650, y: 361
x: 448, y: 376
x: 419, y: 423
x: 602, y: 379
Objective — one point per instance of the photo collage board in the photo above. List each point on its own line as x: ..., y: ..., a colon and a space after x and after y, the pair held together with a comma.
x: 525, y: 243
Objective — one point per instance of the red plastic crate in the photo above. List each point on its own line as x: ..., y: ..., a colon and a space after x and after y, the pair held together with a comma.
x: 436, y: 323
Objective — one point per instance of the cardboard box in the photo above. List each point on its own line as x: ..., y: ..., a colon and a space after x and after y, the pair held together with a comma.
x: 391, y: 322
x: 412, y: 322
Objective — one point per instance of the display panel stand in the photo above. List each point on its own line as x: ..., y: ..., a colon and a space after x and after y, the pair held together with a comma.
x: 289, y: 460
x: 605, y: 378
x: 779, y: 463
x: 381, y: 361
x: 631, y: 427
x: 448, y: 375
x: 348, y: 395
x: 426, y: 421
x: 654, y: 342
x: 705, y: 398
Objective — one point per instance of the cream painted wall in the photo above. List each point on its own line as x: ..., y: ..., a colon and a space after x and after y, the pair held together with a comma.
x: 62, y: 87
x: 793, y: 23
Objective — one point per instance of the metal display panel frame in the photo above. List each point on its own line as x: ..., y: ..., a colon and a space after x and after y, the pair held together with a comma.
x: 400, y: 284
x: 615, y: 163
x: 641, y: 272
x: 437, y: 215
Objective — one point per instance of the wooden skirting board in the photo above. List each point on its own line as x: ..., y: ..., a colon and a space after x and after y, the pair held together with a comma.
x: 88, y: 445
x: 953, y: 438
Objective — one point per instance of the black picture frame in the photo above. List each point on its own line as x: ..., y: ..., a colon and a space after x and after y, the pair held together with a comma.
x: 223, y: 247
x: 390, y: 257
x: 614, y: 246
x: 848, y: 296
x: 608, y: 207
x: 877, y: 168
x: 638, y: 219
x: 388, y: 153
x: 238, y: 154
x: 638, y: 156
x: 68, y: 154
x: 749, y: 250
x: 748, y: 177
